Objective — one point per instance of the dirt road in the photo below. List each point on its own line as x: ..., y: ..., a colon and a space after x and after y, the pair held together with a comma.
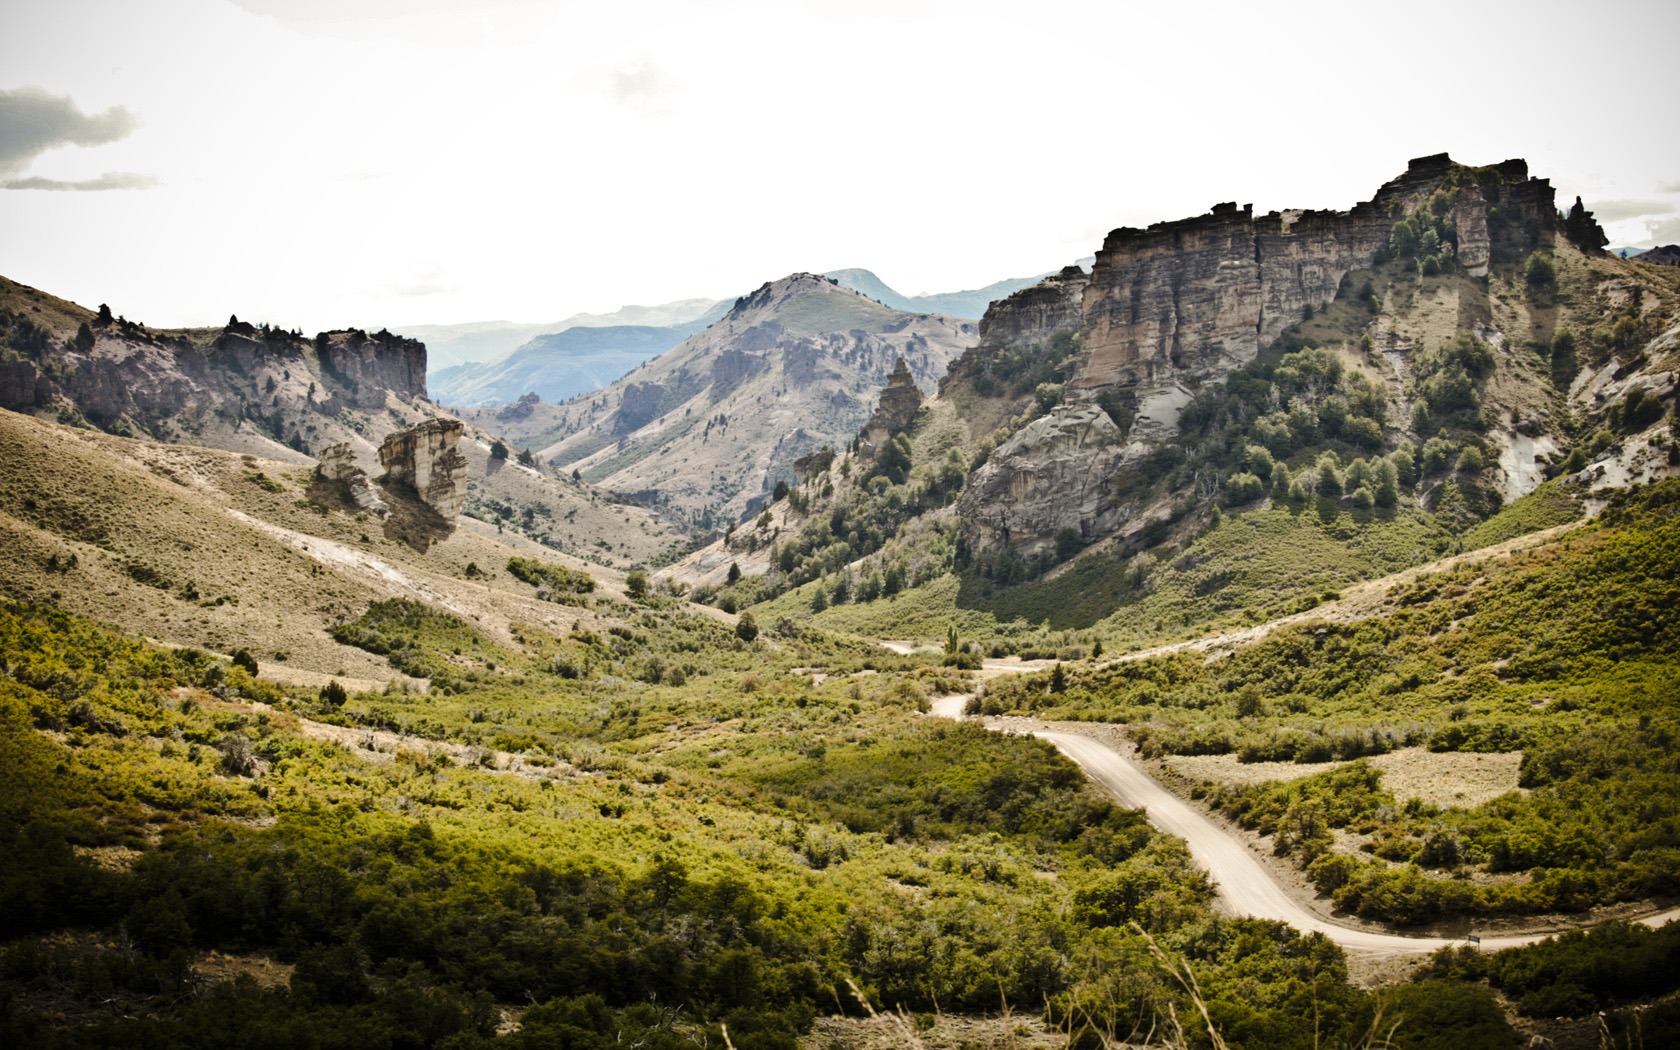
x: 1245, y: 885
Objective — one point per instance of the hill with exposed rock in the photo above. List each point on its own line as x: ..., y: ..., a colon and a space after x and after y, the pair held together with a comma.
x: 260, y: 390
x: 709, y: 428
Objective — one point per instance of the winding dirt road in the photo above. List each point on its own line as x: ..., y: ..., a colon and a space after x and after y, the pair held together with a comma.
x: 1245, y: 885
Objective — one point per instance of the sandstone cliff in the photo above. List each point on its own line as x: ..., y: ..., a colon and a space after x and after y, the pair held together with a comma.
x: 427, y: 458
x: 1169, y: 312
x: 1032, y: 315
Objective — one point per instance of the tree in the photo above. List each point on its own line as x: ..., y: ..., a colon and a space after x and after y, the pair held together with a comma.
x: 636, y: 584
x: 894, y: 461
x: 1540, y: 271
x: 1329, y: 475
x: 498, y: 450
x: 819, y: 599
x: 105, y: 317
x: 896, y: 577
x: 780, y: 492
x: 527, y: 458
x: 1067, y: 543
x: 734, y: 572
x: 1058, y: 679
x: 746, y: 628
x: 84, y: 338
x: 333, y: 694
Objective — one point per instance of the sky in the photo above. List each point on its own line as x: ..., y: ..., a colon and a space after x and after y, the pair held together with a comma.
x: 332, y: 163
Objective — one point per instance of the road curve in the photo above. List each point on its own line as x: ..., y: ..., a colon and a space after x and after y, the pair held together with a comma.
x: 1245, y: 884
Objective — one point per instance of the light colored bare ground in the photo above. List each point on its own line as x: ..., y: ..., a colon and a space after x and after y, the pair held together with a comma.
x: 945, y: 1032
x: 285, y: 675
x: 220, y: 967
x: 1440, y: 779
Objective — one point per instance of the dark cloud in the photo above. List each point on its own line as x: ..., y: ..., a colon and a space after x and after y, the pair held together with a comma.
x: 1615, y: 211
x: 33, y: 122
x: 111, y: 180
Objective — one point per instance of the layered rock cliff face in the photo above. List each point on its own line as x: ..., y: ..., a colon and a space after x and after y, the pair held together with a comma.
x: 1032, y: 315
x: 1187, y: 302
x: 1170, y: 310
x: 428, y: 459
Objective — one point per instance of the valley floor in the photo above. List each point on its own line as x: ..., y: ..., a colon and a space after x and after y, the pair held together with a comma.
x: 1249, y: 884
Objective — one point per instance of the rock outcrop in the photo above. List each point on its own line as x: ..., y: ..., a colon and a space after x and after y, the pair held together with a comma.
x: 428, y: 459
x: 1054, y: 474
x: 1184, y: 303
x: 897, y: 407
x: 1170, y: 310
x: 338, y: 463
x: 240, y: 386
x: 1032, y: 315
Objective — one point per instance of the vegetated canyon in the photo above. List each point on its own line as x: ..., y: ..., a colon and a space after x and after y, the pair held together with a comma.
x: 701, y: 708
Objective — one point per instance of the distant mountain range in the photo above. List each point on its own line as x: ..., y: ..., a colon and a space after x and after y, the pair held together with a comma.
x: 970, y: 305
x: 450, y: 345
x: 707, y: 429
x: 487, y: 363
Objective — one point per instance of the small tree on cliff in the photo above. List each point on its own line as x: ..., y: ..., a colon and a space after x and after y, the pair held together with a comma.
x: 498, y: 450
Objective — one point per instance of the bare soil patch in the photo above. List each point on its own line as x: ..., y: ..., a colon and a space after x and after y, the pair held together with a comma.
x: 1447, y: 778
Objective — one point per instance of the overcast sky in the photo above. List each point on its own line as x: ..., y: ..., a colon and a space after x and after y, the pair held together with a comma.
x: 323, y: 163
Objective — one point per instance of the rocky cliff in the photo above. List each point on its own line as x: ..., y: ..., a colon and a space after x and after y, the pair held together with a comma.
x: 244, y: 387
x: 274, y: 394
x: 896, y: 408
x: 1032, y: 315
x: 1184, y: 303
x: 1169, y: 312
x: 427, y: 458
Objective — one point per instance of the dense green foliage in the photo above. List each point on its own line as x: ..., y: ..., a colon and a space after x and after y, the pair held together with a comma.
x: 736, y: 863
x: 553, y: 582
x: 1565, y: 652
x: 1574, y: 973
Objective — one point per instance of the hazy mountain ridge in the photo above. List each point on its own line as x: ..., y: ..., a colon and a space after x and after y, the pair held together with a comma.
x: 969, y: 304
x: 709, y: 428
x: 559, y: 365
x: 484, y: 342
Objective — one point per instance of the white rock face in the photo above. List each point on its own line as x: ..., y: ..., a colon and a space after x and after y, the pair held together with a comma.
x: 338, y: 463
x: 428, y: 458
x: 1056, y: 473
